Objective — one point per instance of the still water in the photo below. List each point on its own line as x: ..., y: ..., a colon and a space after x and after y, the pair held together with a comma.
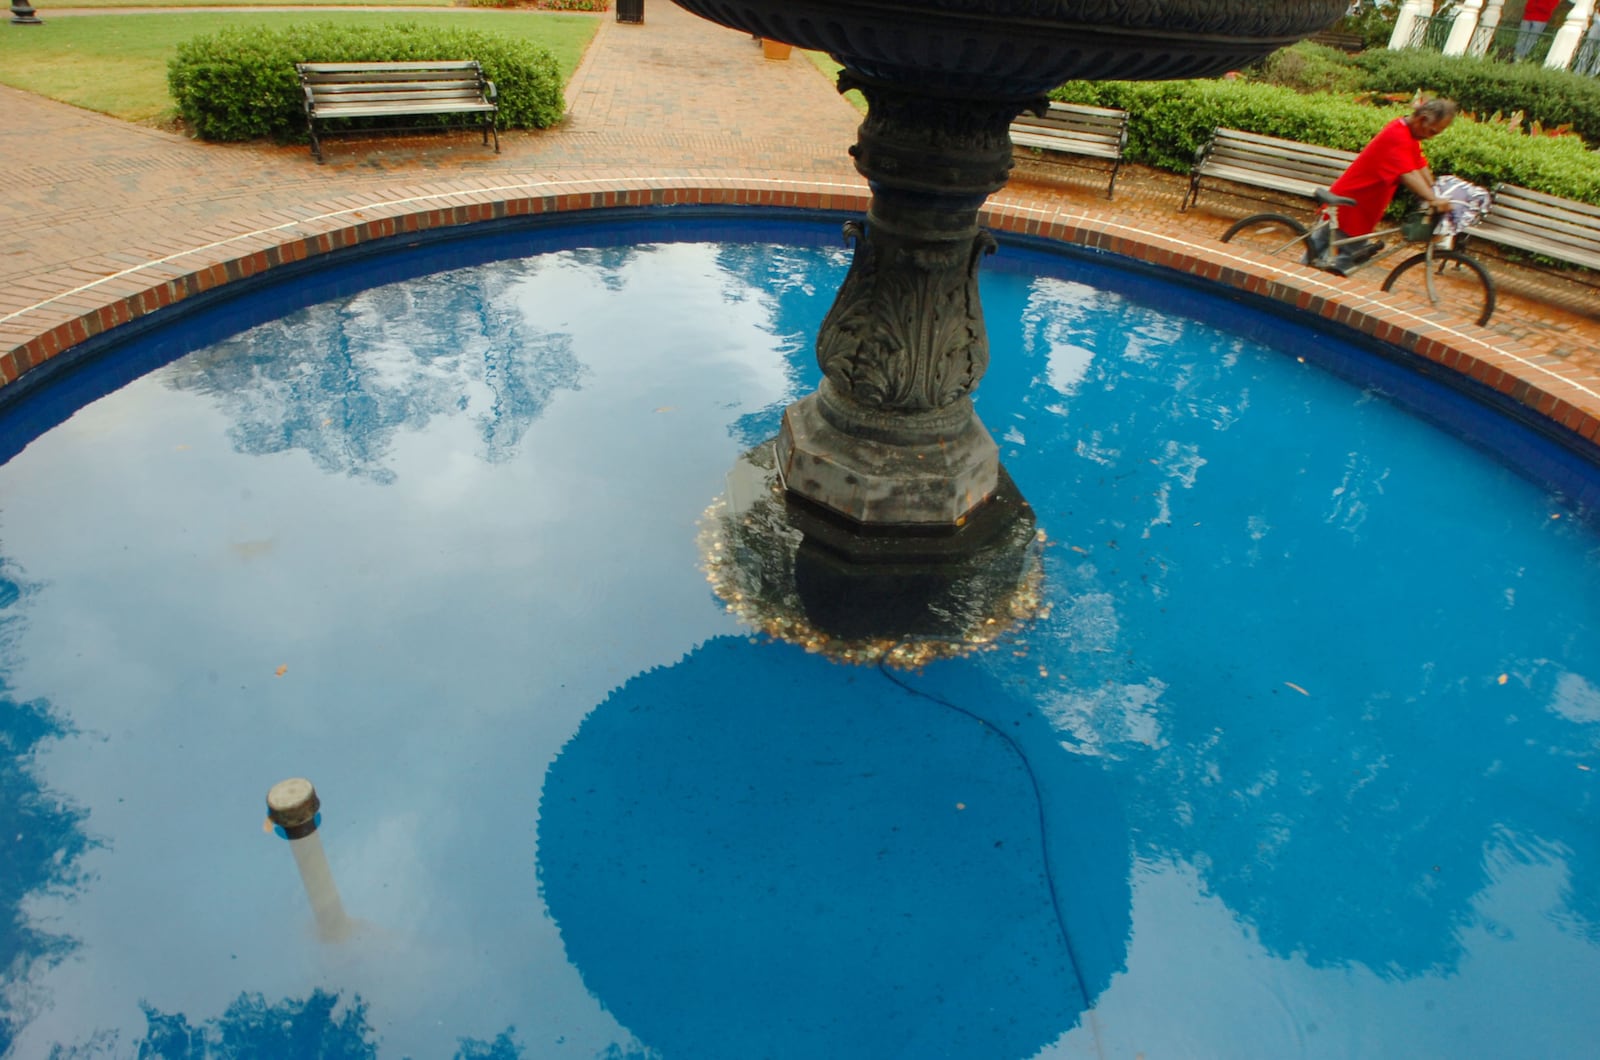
x: 1302, y: 761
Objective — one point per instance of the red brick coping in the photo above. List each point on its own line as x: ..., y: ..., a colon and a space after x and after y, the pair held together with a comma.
x: 35, y: 334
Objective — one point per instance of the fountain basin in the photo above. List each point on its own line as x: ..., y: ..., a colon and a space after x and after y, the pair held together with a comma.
x: 1247, y: 740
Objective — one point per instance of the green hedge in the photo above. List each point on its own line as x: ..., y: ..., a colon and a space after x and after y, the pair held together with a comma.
x: 235, y: 85
x: 1169, y: 120
x: 1309, y: 67
x: 1485, y: 87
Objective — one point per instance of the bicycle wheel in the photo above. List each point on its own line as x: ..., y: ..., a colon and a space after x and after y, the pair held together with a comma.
x: 1269, y: 232
x: 1455, y: 282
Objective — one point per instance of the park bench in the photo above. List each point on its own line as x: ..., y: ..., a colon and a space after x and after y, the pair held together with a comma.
x: 1552, y: 227
x: 395, y: 89
x: 1075, y: 129
x: 1350, y: 43
x: 1287, y: 166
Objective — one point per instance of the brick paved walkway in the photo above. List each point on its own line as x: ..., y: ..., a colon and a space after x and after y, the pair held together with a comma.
x: 104, y: 221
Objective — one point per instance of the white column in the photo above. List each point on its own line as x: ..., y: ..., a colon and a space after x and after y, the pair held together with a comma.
x: 1406, y: 22
x: 1565, y: 45
x: 1488, y: 22
x: 1461, y: 27
x: 1591, y: 66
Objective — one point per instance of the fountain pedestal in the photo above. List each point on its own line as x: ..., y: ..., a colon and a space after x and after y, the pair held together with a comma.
x: 890, y: 439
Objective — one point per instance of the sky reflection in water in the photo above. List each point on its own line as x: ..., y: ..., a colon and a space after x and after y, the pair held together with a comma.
x: 1312, y: 728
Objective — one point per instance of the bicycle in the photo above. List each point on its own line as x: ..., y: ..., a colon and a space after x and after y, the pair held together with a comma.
x: 1450, y: 277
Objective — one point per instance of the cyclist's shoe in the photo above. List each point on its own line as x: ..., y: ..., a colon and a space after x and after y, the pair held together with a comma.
x: 1365, y: 251
x: 1316, y: 244
x: 1350, y: 256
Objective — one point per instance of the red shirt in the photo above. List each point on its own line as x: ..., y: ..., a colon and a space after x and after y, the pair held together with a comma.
x: 1539, y: 10
x: 1373, y: 177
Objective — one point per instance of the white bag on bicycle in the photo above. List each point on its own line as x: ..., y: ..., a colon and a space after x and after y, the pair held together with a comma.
x: 1469, y: 205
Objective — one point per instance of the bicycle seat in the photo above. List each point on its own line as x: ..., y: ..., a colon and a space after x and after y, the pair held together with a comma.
x: 1328, y: 198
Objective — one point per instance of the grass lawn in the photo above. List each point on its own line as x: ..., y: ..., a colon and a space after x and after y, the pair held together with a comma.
x: 824, y: 62
x: 117, y: 64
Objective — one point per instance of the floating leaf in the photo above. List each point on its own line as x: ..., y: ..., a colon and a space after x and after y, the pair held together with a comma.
x: 280, y: 671
x: 1297, y: 688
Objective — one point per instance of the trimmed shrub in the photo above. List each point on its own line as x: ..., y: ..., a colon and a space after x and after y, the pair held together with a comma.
x: 1309, y: 67
x: 1546, y: 99
x: 237, y: 85
x: 1169, y: 120
x: 1373, y: 23
x: 1485, y: 87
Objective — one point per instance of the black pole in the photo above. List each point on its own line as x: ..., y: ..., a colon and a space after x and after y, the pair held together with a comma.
x: 23, y: 15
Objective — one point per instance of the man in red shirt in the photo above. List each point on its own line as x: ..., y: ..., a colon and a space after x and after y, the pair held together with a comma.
x: 1393, y: 158
x: 1535, y: 17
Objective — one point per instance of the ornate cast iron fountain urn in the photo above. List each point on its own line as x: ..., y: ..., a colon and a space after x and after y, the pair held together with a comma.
x: 890, y: 442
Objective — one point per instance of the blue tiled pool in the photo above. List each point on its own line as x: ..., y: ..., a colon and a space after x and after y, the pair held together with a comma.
x: 1300, y: 761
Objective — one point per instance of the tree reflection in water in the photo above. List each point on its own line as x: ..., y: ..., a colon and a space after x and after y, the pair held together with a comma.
x: 387, y: 360
x: 45, y: 838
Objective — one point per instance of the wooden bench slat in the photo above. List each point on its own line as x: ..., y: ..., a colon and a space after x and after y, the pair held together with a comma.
x: 1240, y: 136
x: 1293, y: 185
x: 1506, y: 193
x: 1544, y: 226
x: 335, y: 88
x: 398, y: 99
x: 383, y: 67
x: 1074, y: 144
x: 371, y: 110
x: 1272, y: 169
x: 1560, y: 251
x: 1094, y: 123
x: 332, y: 83
x: 1306, y: 164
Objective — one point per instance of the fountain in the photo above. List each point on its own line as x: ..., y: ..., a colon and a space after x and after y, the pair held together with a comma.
x: 587, y: 814
x: 888, y: 453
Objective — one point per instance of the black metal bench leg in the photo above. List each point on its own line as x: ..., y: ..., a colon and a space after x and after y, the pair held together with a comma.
x: 1112, y: 187
x: 316, y: 145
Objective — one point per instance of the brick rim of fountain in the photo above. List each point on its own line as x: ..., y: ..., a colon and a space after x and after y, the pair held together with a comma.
x: 37, y: 334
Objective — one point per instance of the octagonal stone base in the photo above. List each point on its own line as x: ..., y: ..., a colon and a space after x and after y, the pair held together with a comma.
x: 929, y: 483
